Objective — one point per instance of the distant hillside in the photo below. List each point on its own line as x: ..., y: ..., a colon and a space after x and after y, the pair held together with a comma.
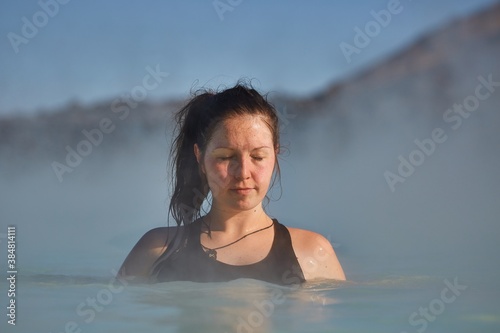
x: 418, y: 84
x: 465, y: 42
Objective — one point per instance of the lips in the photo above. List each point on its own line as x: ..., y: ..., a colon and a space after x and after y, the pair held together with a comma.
x: 242, y: 190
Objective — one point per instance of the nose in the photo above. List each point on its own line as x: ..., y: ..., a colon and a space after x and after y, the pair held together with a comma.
x: 242, y: 168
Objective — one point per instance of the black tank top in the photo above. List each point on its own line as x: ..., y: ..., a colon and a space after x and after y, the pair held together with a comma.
x: 191, y: 263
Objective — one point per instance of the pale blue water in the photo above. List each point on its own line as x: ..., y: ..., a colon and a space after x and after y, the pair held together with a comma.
x: 50, y: 303
x: 398, y: 249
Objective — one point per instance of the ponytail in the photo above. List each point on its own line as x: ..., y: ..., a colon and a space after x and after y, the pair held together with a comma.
x: 195, y: 124
x: 189, y: 186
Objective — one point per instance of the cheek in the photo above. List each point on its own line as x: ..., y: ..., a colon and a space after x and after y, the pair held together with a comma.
x: 264, y: 173
x: 217, y: 173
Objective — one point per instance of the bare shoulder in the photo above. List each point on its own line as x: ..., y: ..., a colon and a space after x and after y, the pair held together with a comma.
x: 150, y: 246
x: 316, y: 256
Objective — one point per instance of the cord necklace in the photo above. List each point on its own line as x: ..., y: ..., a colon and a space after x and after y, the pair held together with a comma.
x: 212, y: 252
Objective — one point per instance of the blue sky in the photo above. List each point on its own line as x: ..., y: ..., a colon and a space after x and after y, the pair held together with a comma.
x: 96, y: 50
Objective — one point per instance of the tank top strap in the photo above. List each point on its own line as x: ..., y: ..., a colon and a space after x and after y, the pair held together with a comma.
x: 192, y: 263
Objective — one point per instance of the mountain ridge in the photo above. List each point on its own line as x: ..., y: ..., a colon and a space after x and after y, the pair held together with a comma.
x: 420, y: 81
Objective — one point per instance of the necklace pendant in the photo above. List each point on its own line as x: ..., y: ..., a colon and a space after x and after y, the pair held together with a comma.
x: 212, y: 254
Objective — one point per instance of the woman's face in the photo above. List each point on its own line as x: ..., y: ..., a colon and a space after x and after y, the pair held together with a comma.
x: 239, y: 162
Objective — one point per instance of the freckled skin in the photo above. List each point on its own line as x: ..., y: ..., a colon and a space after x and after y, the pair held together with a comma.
x: 238, y: 163
x: 239, y: 155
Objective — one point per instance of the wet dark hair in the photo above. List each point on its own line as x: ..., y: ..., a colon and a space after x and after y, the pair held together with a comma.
x: 195, y: 124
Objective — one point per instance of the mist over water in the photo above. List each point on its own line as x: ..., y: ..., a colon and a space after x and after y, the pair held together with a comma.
x: 444, y: 217
x: 443, y: 220
x: 420, y: 253
x: 398, y: 249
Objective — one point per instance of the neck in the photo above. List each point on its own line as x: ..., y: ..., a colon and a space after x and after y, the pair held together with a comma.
x: 236, y: 222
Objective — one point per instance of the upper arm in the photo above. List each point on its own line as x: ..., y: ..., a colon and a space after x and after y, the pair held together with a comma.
x: 316, y: 256
x: 143, y: 255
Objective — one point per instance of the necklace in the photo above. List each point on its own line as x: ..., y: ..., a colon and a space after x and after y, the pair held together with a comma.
x: 212, y: 253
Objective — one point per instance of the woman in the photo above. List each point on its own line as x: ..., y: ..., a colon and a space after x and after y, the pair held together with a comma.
x: 226, y: 150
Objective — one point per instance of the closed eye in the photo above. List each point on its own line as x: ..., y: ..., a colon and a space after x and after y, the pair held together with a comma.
x: 227, y: 158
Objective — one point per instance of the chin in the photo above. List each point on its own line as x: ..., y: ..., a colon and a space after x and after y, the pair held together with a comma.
x: 245, y: 204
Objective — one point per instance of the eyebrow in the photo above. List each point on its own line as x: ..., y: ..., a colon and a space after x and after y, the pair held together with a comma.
x: 257, y: 148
